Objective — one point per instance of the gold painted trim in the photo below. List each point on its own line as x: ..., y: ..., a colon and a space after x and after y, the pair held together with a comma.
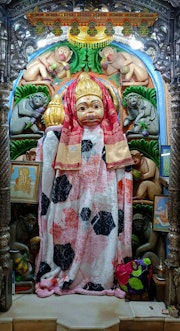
x: 84, y: 18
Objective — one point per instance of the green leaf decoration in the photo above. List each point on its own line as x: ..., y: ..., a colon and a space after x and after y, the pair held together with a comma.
x: 136, y: 283
x: 19, y: 147
x: 135, y: 240
x: 124, y: 288
x: 146, y: 92
x: 28, y: 125
x: 144, y: 209
x: 94, y: 60
x: 127, y: 29
x: 147, y: 261
x: 143, y: 29
x: 78, y: 60
x: 24, y: 91
x: 115, y: 79
x: 150, y: 149
x: 138, y: 272
x: 86, y: 68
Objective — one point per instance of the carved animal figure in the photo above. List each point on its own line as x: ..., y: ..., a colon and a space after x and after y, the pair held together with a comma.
x: 146, y: 177
x: 132, y: 70
x: 142, y: 113
x: 50, y: 65
x: 22, y: 231
x: 29, y: 156
x: 150, y: 241
x: 24, y: 228
x: 26, y: 112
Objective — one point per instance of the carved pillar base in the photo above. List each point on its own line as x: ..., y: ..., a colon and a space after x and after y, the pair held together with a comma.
x: 170, y: 293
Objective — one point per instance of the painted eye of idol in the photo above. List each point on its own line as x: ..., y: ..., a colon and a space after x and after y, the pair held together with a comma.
x: 81, y: 108
x: 90, y: 110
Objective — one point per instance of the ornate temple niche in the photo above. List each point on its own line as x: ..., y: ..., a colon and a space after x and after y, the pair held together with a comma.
x: 22, y: 48
x: 62, y: 55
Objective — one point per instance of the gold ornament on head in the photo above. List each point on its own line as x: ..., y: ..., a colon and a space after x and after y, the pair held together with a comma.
x: 87, y: 86
x: 54, y: 114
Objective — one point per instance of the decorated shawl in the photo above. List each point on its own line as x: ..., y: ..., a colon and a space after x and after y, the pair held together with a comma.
x: 85, y: 221
x: 69, y: 150
x: 85, y: 207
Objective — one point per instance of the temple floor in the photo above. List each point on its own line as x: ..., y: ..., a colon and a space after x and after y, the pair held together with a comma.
x: 79, y: 312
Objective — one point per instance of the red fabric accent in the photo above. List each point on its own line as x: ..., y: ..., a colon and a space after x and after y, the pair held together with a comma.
x: 72, y: 130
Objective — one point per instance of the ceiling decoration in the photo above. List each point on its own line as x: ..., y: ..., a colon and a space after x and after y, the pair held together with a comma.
x: 89, y: 28
x: 156, y: 40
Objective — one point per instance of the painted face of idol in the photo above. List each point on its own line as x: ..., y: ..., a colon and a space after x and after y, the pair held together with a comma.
x: 90, y: 110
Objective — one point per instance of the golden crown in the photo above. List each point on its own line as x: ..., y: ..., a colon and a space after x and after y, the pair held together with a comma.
x: 54, y: 114
x: 87, y: 86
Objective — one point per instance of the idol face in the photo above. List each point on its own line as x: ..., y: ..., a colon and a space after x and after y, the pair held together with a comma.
x: 90, y: 110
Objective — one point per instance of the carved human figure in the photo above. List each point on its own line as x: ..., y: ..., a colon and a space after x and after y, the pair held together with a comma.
x: 132, y: 70
x: 26, y: 112
x: 49, y: 65
x: 85, y: 217
x: 146, y: 177
x: 142, y: 114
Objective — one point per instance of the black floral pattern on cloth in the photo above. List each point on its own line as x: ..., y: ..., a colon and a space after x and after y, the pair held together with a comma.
x: 61, y: 189
x: 103, y: 223
x: 63, y: 256
x: 85, y: 214
x: 57, y: 134
x: 86, y: 146
x: 87, y: 149
x: 93, y: 287
x: 44, y: 204
x: 120, y: 221
x: 104, y: 154
x: 43, y: 269
x: 66, y: 284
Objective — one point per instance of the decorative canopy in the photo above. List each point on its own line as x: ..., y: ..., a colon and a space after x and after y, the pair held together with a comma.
x: 90, y: 28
